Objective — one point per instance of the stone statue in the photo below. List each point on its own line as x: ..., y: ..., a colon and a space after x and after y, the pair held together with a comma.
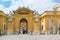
x: 54, y: 29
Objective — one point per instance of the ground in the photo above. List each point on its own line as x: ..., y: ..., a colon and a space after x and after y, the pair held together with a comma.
x: 30, y: 37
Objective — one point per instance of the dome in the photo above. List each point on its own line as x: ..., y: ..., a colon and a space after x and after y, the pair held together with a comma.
x: 57, y: 7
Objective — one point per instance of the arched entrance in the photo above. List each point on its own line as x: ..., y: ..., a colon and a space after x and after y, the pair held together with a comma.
x: 23, y: 26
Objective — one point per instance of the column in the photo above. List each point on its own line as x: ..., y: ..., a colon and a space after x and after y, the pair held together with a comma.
x: 46, y: 25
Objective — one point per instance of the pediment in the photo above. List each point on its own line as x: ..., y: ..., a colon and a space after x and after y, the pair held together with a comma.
x: 23, y: 10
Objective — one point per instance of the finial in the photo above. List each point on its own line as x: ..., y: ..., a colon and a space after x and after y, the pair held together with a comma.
x: 55, y: 8
x: 23, y: 5
x: 11, y: 12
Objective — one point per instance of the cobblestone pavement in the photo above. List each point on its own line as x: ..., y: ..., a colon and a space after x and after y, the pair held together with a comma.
x: 30, y: 37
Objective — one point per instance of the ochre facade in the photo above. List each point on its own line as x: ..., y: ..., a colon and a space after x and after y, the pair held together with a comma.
x: 27, y: 21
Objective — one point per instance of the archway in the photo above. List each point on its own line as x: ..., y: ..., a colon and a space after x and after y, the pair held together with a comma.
x: 23, y: 26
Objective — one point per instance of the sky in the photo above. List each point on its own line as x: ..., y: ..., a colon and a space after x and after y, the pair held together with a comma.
x: 38, y: 5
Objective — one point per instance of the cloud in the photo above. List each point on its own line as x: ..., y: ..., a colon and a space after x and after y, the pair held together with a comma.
x: 40, y: 5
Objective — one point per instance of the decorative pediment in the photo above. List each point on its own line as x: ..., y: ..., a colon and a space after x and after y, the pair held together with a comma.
x: 23, y: 10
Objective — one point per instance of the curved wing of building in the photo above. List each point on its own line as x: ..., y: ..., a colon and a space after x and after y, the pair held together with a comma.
x: 27, y: 21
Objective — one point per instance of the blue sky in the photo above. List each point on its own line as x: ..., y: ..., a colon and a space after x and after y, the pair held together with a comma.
x: 5, y: 3
x: 56, y: 0
x: 39, y: 5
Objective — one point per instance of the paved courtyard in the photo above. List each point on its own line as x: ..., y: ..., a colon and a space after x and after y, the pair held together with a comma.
x: 30, y: 37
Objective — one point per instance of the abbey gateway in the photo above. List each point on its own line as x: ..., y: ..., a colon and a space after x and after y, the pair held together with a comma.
x: 26, y: 21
